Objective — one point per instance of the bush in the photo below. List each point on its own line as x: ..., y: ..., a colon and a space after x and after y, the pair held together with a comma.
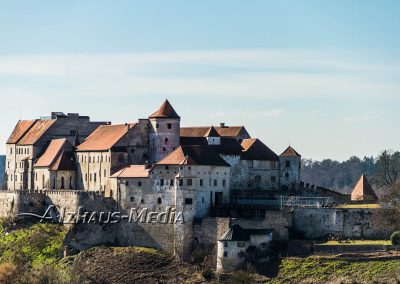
x: 8, y: 273
x: 208, y: 274
x: 395, y: 238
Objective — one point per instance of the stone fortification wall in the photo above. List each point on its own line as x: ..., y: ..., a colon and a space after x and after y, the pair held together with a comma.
x: 349, y: 223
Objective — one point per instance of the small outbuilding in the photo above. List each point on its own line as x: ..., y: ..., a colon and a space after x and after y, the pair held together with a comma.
x: 237, y: 243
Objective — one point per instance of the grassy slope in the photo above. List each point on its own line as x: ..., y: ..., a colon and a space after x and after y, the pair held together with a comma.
x: 338, y: 269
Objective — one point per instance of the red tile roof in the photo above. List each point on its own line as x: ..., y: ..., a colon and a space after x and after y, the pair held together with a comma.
x: 254, y: 149
x: 51, y: 153
x: 20, y: 129
x: 201, y: 131
x: 132, y: 171
x: 193, y: 155
x: 165, y: 111
x: 363, y: 191
x: 290, y: 152
x: 104, y: 137
x: 64, y: 162
x: 36, y: 131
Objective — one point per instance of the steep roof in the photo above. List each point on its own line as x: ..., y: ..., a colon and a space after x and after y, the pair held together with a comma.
x: 36, y: 131
x: 290, y: 152
x: 51, y: 153
x: 363, y: 191
x: 104, y: 137
x: 56, y: 158
x: 228, y: 146
x: 212, y: 132
x: 193, y: 155
x: 132, y: 171
x: 201, y: 131
x: 165, y: 111
x: 237, y: 233
x: 19, y: 131
x: 254, y: 149
x: 64, y: 162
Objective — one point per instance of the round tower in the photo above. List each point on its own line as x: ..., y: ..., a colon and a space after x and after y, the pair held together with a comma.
x: 164, y: 132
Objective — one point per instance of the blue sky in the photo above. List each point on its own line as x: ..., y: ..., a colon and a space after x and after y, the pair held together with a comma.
x: 322, y: 74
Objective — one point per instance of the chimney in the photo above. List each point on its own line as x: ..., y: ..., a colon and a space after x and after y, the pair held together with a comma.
x: 222, y: 124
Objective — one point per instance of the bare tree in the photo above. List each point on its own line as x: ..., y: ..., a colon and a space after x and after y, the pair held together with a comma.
x: 387, y: 176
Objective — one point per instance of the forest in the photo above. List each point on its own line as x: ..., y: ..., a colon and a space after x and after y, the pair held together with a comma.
x: 381, y: 171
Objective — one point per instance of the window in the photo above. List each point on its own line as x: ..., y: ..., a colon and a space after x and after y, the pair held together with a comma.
x: 10, y: 150
x: 288, y: 164
x: 132, y: 150
x: 188, y: 201
x: 90, y: 159
x: 159, y: 200
x: 257, y: 179
x: 273, y: 179
x: 36, y: 176
x: 201, y: 182
x: 164, y: 149
x: 54, y: 183
x: 85, y: 177
x: 105, y: 173
x: 250, y: 164
x: 157, y: 125
x: 131, y: 199
x: 162, y: 182
x: 8, y: 164
x: 169, y: 125
x: 171, y: 182
x: 94, y: 177
x: 142, y: 201
x: 241, y: 244
x: 166, y: 140
x: 224, y: 182
x: 127, y: 183
x: 286, y: 175
x: 181, y: 182
x: 167, y: 167
x: 90, y: 177
x: 62, y: 182
x: 215, y: 182
x: 202, y: 200
x: 189, y: 182
x: 70, y: 183
x: 225, y: 254
x: 72, y: 132
x: 139, y: 183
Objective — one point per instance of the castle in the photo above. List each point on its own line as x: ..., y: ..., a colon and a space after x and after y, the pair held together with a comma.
x: 69, y: 152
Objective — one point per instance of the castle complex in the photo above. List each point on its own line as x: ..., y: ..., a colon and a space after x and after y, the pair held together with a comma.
x: 230, y: 191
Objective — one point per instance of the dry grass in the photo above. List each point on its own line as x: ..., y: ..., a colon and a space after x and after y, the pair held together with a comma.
x: 366, y: 206
x: 358, y: 242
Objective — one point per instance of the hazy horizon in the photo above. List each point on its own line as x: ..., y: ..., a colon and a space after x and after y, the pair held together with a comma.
x: 324, y: 76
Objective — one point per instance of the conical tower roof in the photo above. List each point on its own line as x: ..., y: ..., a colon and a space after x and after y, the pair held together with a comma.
x: 363, y: 191
x: 165, y: 111
x: 290, y: 152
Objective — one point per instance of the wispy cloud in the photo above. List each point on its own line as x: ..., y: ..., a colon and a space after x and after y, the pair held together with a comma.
x: 239, y: 73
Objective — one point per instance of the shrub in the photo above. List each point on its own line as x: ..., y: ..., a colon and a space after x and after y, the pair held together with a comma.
x: 208, y: 274
x: 395, y: 238
x: 8, y: 273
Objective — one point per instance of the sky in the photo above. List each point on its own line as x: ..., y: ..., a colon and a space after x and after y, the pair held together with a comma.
x: 323, y: 76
